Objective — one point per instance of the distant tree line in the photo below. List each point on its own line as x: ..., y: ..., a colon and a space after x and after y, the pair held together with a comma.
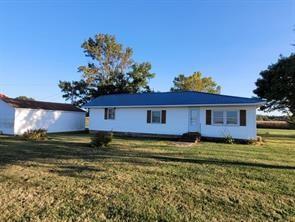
x: 271, y: 118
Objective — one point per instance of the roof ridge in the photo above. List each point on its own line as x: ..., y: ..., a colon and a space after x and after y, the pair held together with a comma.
x: 178, y: 92
x: 35, y: 104
x: 23, y: 100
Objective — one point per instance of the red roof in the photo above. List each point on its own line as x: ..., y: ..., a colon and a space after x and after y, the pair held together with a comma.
x: 29, y: 104
x: 2, y: 96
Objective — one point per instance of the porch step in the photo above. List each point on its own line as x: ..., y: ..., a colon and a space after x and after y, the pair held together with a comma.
x: 191, y: 137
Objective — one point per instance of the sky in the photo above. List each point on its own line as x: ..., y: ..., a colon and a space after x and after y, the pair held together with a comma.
x: 231, y: 41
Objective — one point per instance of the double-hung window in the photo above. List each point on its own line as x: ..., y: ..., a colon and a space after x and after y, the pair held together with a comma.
x: 231, y: 117
x: 156, y: 116
x: 218, y: 117
x: 109, y: 113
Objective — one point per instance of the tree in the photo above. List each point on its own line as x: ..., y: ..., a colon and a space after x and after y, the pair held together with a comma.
x: 76, y: 91
x: 111, y: 71
x: 24, y: 98
x: 195, y: 82
x: 277, y: 86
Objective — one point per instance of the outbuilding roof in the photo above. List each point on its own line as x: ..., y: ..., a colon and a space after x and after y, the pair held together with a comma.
x: 185, y: 98
x: 29, y: 104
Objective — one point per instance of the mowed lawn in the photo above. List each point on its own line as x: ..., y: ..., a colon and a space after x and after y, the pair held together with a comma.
x: 63, y: 179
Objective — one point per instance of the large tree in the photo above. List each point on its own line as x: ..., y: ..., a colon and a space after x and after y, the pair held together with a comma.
x: 195, y: 82
x: 277, y: 86
x: 111, y: 71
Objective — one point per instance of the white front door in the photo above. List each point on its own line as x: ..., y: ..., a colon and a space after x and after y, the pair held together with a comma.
x: 194, y: 120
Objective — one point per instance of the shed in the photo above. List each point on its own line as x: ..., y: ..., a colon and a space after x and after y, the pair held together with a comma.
x: 18, y: 116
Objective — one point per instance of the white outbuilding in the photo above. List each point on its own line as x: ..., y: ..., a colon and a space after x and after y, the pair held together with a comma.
x: 18, y: 116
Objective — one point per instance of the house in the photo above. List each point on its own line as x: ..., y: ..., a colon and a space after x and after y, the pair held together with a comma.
x: 18, y: 116
x: 175, y: 113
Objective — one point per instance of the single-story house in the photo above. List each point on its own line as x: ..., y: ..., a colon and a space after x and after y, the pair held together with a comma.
x: 174, y: 114
x: 18, y: 116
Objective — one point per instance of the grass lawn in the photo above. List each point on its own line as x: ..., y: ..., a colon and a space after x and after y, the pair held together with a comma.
x: 63, y: 179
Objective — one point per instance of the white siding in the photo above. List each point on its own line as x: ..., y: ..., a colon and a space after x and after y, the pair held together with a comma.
x: 135, y: 120
x: 6, y: 118
x: 238, y: 132
x: 177, y: 122
x: 53, y: 121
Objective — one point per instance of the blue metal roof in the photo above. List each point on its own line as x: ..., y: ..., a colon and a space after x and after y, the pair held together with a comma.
x: 169, y: 99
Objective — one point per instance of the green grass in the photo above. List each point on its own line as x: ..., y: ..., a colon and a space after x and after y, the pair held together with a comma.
x: 63, y: 179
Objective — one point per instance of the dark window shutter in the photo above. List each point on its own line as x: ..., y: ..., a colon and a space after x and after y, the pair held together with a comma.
x: 105, y: 113
x: 208, y: 117
x: 148, y: 117
x: 243, y: 119
x: 163, y: 116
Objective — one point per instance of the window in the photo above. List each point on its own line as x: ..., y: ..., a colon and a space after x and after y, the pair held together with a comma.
x: 218, y: 117
x: 227, y: 117
x: 156, y: 116
x: 231, y: 117
x: 109, y: 113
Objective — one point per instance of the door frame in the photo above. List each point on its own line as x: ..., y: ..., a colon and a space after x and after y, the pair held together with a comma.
x: 196, y: 127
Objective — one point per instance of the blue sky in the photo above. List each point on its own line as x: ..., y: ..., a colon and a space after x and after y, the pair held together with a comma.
x: 232, y: 41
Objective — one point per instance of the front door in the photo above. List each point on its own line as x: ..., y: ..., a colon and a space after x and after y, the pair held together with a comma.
x: 194, y: 120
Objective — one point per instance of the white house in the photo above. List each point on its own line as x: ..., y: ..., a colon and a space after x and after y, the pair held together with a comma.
x: 175, y: 113
x: 18, y: 116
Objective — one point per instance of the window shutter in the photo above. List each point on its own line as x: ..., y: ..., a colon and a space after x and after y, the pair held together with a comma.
x: 208, y: 117
x: 148, y: 117
x: 105, y: 113
x: 163, y: 116
x: 243, y: 119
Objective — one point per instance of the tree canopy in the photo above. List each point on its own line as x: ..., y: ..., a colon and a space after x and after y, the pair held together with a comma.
x: 195, y: 82
x: 24, y: 98
x: 277, y: 85
x: 111, y: 71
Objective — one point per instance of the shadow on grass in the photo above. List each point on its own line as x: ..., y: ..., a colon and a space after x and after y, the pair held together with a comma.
x: 277, y: 136
x: 75, y: 171
x: 222, y: 162
x: 14, y: 149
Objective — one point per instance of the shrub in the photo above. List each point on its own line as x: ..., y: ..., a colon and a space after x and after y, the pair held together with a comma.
x: 36, y: 134
x: 101, y: 139
x: 229, y: 139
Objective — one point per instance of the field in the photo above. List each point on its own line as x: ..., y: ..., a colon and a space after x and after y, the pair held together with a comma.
x: 63, y: 179
x: 274, y: 124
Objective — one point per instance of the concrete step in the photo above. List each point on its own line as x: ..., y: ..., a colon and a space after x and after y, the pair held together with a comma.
x: 191, y: 137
